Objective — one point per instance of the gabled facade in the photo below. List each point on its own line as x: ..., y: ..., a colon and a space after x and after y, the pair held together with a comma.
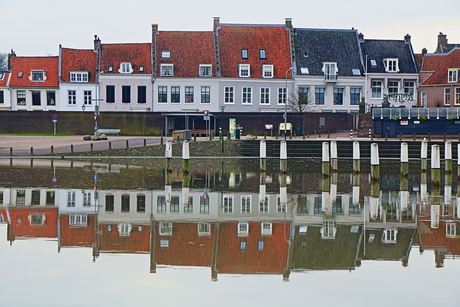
x: 391, y: 71
x: 34, y: 83
x: 5, y: 96
x: 255, y: 66
x: 77, y: 79
x: 124, y: 77
x: 329, y: 71
x: 185, y: 71
x: 439, y: 80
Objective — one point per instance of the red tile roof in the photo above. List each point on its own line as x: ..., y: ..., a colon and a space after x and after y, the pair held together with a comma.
x: 138, y: 54
x: 25, y: 65
x: 187, y: 51
x: 4, y: 80
x: 78, y: 60
x: 440, y: 63
x: 274, y: 39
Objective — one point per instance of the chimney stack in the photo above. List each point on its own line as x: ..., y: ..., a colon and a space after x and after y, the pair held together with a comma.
x: 154, y: 29
x: 361, y: 37
x: 442, y: 42
x: 407, y: 38
x: 288, y: 22
x: 216, y: 23
x: 97, y: 43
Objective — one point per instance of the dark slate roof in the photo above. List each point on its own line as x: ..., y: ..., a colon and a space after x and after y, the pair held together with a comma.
x: 315, y: 46
x: 379, y: 49
x: 450, y: 47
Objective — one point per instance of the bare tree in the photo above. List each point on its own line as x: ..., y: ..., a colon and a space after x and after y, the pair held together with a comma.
x: 302, y: 100
x: 3, y: 61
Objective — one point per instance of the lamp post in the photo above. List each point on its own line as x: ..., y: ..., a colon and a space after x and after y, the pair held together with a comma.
x: 222, y: 128
x: 285, y: 103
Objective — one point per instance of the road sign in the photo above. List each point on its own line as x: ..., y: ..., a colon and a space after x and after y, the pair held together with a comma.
x: 54, y: 182
x: 54, y: 117
x: 95, y: 117
x: 205, y: 112
x: 96, y: 128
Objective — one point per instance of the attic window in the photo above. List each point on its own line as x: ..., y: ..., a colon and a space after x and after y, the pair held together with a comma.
x: 304, y: 71
x: 110, y: 68
x: 373, y: 63
x: 125, y: 68
x: 167, y: 70
x: 452, y: 75
x: 78, y: 76
x: 391, y: 65
x: 141, y: 68
x: 356, y: 72
x: 166, y: 54
x: 20, y: 75
x: 37, y: 75
x: 205, y: 70
x: 244, y: 53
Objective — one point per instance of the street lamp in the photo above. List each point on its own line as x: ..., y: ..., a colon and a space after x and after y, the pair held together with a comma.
x: 222, y: 127
x: 83, y: 107
x: 285, y: 103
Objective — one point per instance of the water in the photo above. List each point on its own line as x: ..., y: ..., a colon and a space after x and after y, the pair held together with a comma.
x: 97, y: 234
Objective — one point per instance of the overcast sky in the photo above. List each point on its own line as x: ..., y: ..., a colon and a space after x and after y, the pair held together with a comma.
x: 38, y: 27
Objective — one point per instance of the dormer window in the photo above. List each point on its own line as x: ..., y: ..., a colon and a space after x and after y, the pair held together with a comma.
x: 166, y: 54
x: 244, y: 53
x: 262, y: 54
x: 37, y: 75
x: 244, y: 70
x: 452, y: 75
x: 78, y: 76
x: 304, y: 71
x: 391, y: 65
x: 330, y: 70
x: 167, y: 70
x: 205, y: 70
x: 267, y: 71
x: 125, y: 68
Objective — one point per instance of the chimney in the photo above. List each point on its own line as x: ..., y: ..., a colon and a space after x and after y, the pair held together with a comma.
x: 424, y: 51
x: 361, y: 37
x: 288, y: 22
x: 442, y: 42
x: 97, y: 43
x: 11, y: 55
x: 216, y: 22
x: 154, y: 29
x: 407, y: 38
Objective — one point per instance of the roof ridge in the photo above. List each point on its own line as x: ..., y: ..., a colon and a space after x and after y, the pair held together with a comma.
x: 324, y: 29
x: 252, y: 25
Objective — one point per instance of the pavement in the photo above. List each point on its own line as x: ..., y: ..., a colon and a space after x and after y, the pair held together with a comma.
x: 21, y: 145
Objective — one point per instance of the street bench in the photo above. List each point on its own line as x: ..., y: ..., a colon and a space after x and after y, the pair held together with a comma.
x: 109, y: 131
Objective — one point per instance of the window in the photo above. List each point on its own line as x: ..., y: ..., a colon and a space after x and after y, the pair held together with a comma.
x: 141, y: 94
x: 166, y: 54
x: 282, y: 95
x: 322, y: 121
x: 189, y: 207
x: 452, y: 75
x: 125, y: 203
x: 229, y: 94
x: 393, y: 86
x: 2, y: 98
x: 376, y: 87
x: 302, y: 208
x: 246, y: 204
x: 161, y: 203
x: 140, y: 202
x: 356, y: 72
x: 165, y: 228
x: 244, y: 53
x: 21, y: 197
x: 205, y: 70
x: 126, y: 94
x: 447, y: 96
x: 141, y: 68
x: 204, y: 229
x: 262, y: 54
x: 50, y: 198
x: 457, y: 95
x: 228, y: 204
x: 260, y: 245
x: 110, y: 68
x: 391, y: 65
x: 319, y: 95
x: 125, y: 68
x: 189, y: 93
x: 243, y: 229
x: 424, y: 99
x: 110, y: 93
x: 109, y: 203
x: 303, y: 94
x: 37, y: 219
x: 86, y: 199
x: 38, y: 75
x: 330, y: 71
x: 355, y: 95
x: 78, y: 76
x: 175, y: 94
x: 263, y: 205
x: 78, y: 220
x: 162, y: 94
x: 338, y: 95
x: 409, y: 87
x: 72, y: 95
x: 205, y: 94
x: 204, y: 205
x: 21, y: 98
x: 244, y: 70
x: 304, y: 71
x: 328, y: 230
x: 266, y: 229
x: 267, y: 71
x: 35, y: 198
x: 36, y: 99
x: 174, y: 205
x: 70, y: 199
x: 243, y: 246
x: 389, y: 235
x: 264, y: 95
x: 167, y: 70
x: 87, y: 97
x: 50, y: 98
x: 124, y: 229
x: 247, y: 95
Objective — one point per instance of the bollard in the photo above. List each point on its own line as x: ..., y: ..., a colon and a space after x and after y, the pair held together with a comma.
x: 31, y: 151
x: 161, y: 140
x: 303, y: 137
x: 263, y: 155
x: 265, y: 135
x: 319, y: 135
x: 444, y: 138
x: 386, y: 136
x: 11, y: 151
x: 325, y: 152
x: 52, y: 149
x: 90, y: 147
x: 110, y: 145
x: 404, y: 153
x: 414, y: 138
x: 283, y: 156
x: 145, y: 142
x: 194, y: 137
x: 328, y: 134
x: 127, y: 144
x: 429, y: 137
x: 308, y: 135
x: 435, y: 157
x: 400, y: 136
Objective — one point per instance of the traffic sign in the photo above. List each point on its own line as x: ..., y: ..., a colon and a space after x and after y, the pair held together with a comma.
x: 95, y: 117
x: 54, y: 117
x: 96, y: 128
x: 205, y: 112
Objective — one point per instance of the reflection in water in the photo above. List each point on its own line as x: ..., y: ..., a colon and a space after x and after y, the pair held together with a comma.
x: 233, y: 218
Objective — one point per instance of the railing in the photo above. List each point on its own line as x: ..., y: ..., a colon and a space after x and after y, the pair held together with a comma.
x: 416, y: 113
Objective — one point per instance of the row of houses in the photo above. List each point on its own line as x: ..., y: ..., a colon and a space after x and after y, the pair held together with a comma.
x: 242, y: 67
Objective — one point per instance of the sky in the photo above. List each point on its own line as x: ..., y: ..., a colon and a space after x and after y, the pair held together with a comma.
x: 38, y: 27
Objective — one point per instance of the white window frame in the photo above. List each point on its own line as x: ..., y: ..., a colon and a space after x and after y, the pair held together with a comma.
x: 21, y: 98
x: 452, y: 75
x: 393, y: 85
x: 229, y: 95
x: 204, y: 229
x: 79, y: 76
x: 447, y: 96
x: 242, y: 229
x: 330, y: 70
x: 87, y: 98
x: 262, y: 54
x: 378, y: 86
x: 245, y: 204
x: 457, y: 96
x: 166, y: 54
x: 71, y: 199
x: 391, y: 64
x: 125, y: 68
x: 167, y: 70
x: 282, y: 95
x: 409, y: 87
x: 124, y: 229
x: 264, y: 205
x: 205, y: 70
x: 244, y: 70
x: 78, y: 219
x: 228, y: 204
x: 266, y: 229
x: 389, y: 235
x: 37, y: 76
x: 423, y: 99
x: 189, y: 94
x: 264, y: 96
x: 246, y: 95
x: 267, y: 71
x: 165, y: 228
x: 328, y: 230
x: 72, y: 97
